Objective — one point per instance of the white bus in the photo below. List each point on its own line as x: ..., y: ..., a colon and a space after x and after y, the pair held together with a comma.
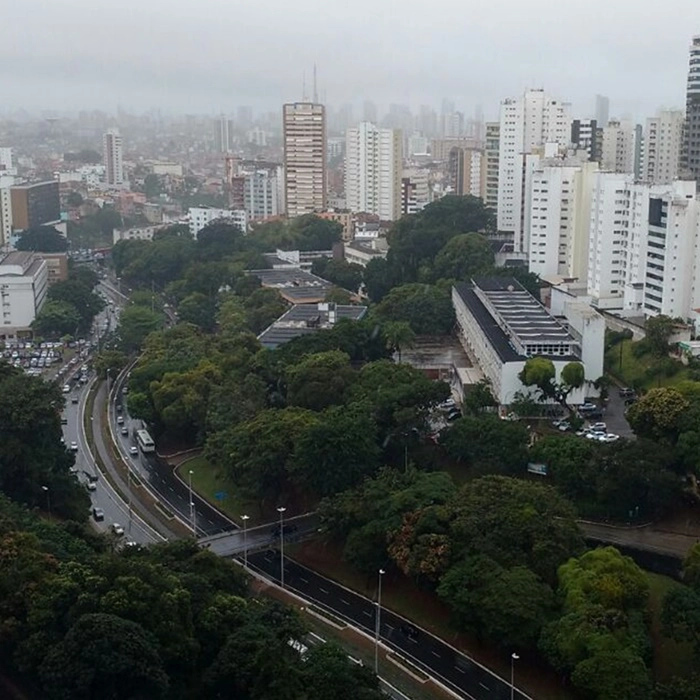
x: 145, y: 441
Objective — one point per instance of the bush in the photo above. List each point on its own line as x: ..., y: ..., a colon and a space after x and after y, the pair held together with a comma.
x: 613, y: 338
x: 640, y: 348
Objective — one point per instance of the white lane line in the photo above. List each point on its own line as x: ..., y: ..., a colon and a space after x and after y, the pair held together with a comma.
x: 461, y: 670
x: 485, y: 687
x: 306, y: 580
x: 323, y: 590
x: 368, y: 613
x: 434, y: 653
x: 342, y: 600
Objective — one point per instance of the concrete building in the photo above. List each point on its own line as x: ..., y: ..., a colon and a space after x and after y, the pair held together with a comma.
x: 373, y: 159
x: 344, y: 218
x: 138, y: 233
x: 199, y: 217
x: 501, y: 326
x: 557, y: 219
x: 261, y: 195
x: 415, y: 190
x: 467, y: 168
x: 167, y: 168
x: 6, y: 162
x: 223, y: 135
x: 295, y: 285
x: 602, y: 110
x: 662, y: 147
x: 304, y: 136
x: 24, y: 280
x: 691, y: 141
x: 618, y: 147
x: 113, y: 158
x: 491, y: 151
x: 35, y: 204
x: 526, y: 125
x: 56, y: 266
x: 5, y: 215
x: 586, y: 135
x: 361, y: 251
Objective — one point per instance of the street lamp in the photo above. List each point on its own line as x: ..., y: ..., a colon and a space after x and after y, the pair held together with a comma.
x: 281, y: 510
x: 513, y: 658
x: 245, y: 519
x: 45, y: 489
x: 377, y: 621
x: 192, y: 514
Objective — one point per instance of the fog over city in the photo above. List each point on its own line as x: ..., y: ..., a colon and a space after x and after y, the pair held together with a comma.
x: 211, y: 55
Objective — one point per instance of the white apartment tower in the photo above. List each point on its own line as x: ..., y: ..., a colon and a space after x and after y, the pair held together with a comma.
x: 662, y: 147
x: 618, y: 148
x: 304, y: 126
x: 112, y: 155
x: 373, y: 159
x: 526, y: 125
x: 261, y: 195
x: 491, y: 152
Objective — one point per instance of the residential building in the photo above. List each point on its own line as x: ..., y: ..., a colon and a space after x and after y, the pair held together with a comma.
x: 56, y: 266
x: 23, y: 284
x: 526, y: 125
x: 199, y: 217
x: 261, y: 196
x: 5, y: 215
x: 223, y: 135
x: 304, y: 319
x: 618, y: 147
x: 6, y: 165
x: 491, y: 151
x: 344, y: 218
x: 662, y: 147
x: 167, y: 168
x: 373, y: 159
x: 602, y: 110
x: 501, y: 326
x: 112, y: 155
x: 440, y: 148
x: 304, y: 126
x: 361, y: 251
x: 691, y: 140
x: 558, y: 216
x: 467, y: 168
x: 417, y: 145
x: 35, y: 204
x: 138, y: 233
x: 415, y: 190
x: 586, y: 136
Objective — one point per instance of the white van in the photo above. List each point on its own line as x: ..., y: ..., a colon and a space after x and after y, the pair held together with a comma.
x: 66, y: 388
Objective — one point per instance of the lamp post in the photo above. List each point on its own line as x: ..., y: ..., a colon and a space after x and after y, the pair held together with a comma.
x: 377, y: 621
x: 245, y: 519
x: 513, y: 658
x: 46, y: 490
x: 281, y: 510
x: 192, y: 515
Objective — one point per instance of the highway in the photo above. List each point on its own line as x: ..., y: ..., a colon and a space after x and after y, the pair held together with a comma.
x: 458, y: 672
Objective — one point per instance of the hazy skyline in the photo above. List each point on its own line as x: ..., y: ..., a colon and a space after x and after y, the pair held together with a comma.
x: 213, y: 55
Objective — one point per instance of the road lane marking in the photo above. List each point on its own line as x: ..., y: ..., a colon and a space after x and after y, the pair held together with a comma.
x: 485, y: 687
x: 461, y: 670
x: 368, y: 613
x: 306, y: 580
x: 342, y: 600
x: 323, y: 590
x: 434, y: 653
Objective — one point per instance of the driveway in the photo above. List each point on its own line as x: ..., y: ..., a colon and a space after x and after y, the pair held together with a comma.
x: 614, y: 415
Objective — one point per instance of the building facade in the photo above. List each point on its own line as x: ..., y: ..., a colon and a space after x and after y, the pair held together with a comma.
x: 304, y: 136
x: 24, y: 281
x: 586, y: 136
x: 491, y: 152
x: 35, y: 204
x: 261, y: 195
x: 467, y: 168
x: 618, y: 147
x: 662, y: 147
x: 199, y: 217
x: 373, y: 160
x: 691, y: 140
x: 526, y: 125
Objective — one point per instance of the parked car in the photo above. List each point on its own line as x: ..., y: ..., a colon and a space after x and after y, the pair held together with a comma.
x: 626, y: 392
x: 609, y: 437
x: 124, y: 430
x: 98, y: 514
x: 120, y: 420
x: 74, y: 446
x: 564, y: 426
x: 600, y: 427
x: 91, y: 486
x: 117, y: 529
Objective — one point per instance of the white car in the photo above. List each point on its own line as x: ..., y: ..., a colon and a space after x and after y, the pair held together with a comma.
x: 609, y: 437
x: 117, y: 529
x: 599, y: 426
x: 133, y: 450
x: 74, y: 446
x: 66, y: 388
x: 595, y: 435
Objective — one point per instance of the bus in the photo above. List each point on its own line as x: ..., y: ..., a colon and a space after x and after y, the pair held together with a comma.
x: 145, y: 441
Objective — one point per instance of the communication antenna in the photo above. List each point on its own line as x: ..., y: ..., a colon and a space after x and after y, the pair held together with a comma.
x: 303, y: 87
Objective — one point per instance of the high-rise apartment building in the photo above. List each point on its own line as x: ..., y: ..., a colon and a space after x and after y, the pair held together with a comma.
x: 5, y: 215
x: 304, y: 126
x: 112, y: 156
x: 602, y: 110
x: 618, y: 147
x: 6, y: 166
x: 35, y: 204
x: 586, y: 136
x: 223, y: 135
x: 373, y: 159
x: 662, y: 147
x: 491, y: 151
x: 527, y: 124
x: 261, y: 196
x: 691, y: 140
x: 415, y: 190
x: 467, y: 168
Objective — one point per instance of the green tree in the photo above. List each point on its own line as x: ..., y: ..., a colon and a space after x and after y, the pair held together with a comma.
x: 112, y: 360
x: 74, y: 199
x: 218, y: 240
x: 658, y: 414
x: 478, y: 397
x: 399, y: 334
x: 42, y: 239
x: 427, y: 309
x: 104, y: 656
x: 613, y: 675
x: 319, y: 380
x: 310, y: 232
x: 263, y: 307
x: 463, y: 256
x: 377, y: 277
x: 56, y: 319
x: 678, y: 688
x: 340, y: 272
x: 81, y: 297
x: 196, y: 308
x: 658, y: 330
x: 135, y: 323
x: 541, y: 373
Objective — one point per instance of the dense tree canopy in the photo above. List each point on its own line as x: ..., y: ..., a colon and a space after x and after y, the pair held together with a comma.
x: 42, y: 239
x: 427, y: 309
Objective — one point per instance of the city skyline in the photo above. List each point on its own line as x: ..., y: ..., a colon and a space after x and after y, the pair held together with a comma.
x: 418, y: 56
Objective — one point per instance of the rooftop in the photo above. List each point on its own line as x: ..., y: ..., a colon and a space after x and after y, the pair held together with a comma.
x: 294, y: 284
x: 303, y: 319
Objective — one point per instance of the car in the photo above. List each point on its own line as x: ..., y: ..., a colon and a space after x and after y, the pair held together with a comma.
x: 117, y: 529
x: 124, y: 430
x: 74, y: 446
x: 601, y: 427
x: 609, y: 437
x: 66, y: 388
x: 594, y: 434
x: 133, y: 450
x: 119, y: 408
x: 626, y: 392
x: 583, y: 432
x: 125, y: 390
x: 98, y: 514
x: 64, y: 420
x: 454, y: 414
x: 91, y: 486
x: 564, y: 426
x: 74, y: 399
x: 73, y: 469
x: 448, y: 403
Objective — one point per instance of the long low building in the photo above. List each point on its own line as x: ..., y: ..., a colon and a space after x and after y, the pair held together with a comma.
x: 501, y: 326
x: 24, y: 281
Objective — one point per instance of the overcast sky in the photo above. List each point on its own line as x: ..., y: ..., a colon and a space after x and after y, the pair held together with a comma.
x: 205, y: 56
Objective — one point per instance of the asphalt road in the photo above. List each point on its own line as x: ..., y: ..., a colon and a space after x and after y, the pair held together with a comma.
x: 458, y: 672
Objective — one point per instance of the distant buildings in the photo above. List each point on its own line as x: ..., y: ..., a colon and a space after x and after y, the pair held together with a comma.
x: 527, y: 123
x: 373, y: 160
x: 467, y: 168
x: 602, y: 110
x: 113, y: 158
x: 587, y: 135
x: 662, y: 147
x: 304, y: 138
x: 24, y: 280
x: 691, y: 142
x: 35, y: 204
x: 491, y: 153
x: 223, y: 135
x: 199, y: 217
x: 261, y: 195
x: 618, y: 147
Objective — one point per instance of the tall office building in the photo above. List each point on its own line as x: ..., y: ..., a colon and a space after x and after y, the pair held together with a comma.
x: 619, y: 146
x: 491, y: 151
x: 304, y: 126
x: 35, y: 204
x: 527, y: 124
x: 223, y: 135
x: 662, y: 147
x: 602, y: 110
x: 112, y: 155
x: 691, y: 141
x: 373, y: 159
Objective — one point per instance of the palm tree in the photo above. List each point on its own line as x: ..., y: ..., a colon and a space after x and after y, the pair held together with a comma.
x: 399, y: 334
